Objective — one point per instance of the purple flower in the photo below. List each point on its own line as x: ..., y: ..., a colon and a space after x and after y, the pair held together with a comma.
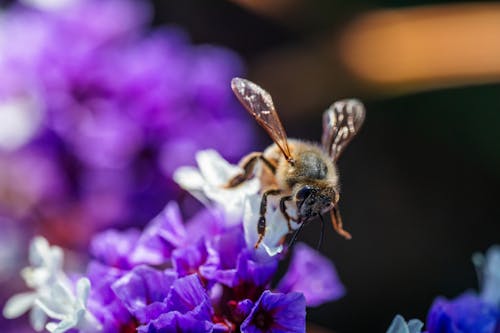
x: 465, y: 314
x: 105, y: 105
x: 275, y: 312
x: 113, y: 247
x: 177, y: 322
x: 196, y: 276
x: 104, y: 303
x: 187, y: 303
x: 160, y: 237
x: 313, y: 275
x: 196, y: 259
x: 143, y: 290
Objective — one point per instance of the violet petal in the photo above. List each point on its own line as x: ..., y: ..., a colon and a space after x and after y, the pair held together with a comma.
x: 276, y: 312
x: 113, y: 247
x: 313, y: 275
x: 141, y: 287
x: 464, y: 314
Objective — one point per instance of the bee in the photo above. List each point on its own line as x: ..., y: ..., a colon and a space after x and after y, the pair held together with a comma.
x: 298, y: 171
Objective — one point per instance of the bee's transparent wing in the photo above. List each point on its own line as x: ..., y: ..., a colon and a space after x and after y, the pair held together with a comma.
x: 341, y: 122
x: 260, y: 105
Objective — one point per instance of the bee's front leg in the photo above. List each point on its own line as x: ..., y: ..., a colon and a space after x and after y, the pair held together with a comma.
x: 261, y: 225
x: 337, y: 223
x: 248, y: 164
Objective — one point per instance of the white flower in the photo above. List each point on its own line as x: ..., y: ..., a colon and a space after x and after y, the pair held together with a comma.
x: 46, y: 268
x: 399, y: 325
x: 239, y: 203
x: 71, y: 310
x: 276, y: 224
x: 53, y: 296
x: 207, y: 184
x: 488, y: 268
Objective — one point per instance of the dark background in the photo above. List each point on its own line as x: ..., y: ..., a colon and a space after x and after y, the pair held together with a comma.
x: 420, y: 182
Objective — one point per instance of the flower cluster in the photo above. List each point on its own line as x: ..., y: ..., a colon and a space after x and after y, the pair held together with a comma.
x: 54, y: 296
x: 203, y: 275
x: 100, y: 105
x: 470, y: 312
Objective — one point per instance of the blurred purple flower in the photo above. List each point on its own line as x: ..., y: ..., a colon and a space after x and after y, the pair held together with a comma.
x: 471, y: 312
x: 465, y: 314
x: 111, y: 108
x: 113, y: 248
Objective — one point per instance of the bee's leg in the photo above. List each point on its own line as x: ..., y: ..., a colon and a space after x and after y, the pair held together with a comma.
x: 283, y: 201
x: 261, y: 225
x: 337, y: 223
x: 248, y: 164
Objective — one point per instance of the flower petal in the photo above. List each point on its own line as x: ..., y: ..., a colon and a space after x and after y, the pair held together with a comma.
x: 490, y: 290
x: 176, y: 322
x: 113, y: 247
x: 466, y: 313
x: 275, y: 312
x: 82, y: 290
x: 276, y: 224
x: 142, y: 286
x: 164, y: 233
x: 18, y: 304
x: 313, y: 275
x: 399, y: 325
x: 215, y: 172
x: 214, y: 168
x: 38, y: 318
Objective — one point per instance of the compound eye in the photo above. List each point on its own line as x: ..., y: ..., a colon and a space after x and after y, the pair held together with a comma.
x: 304, y: 192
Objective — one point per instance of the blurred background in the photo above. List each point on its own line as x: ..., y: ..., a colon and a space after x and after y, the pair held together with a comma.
x: 419, y: 184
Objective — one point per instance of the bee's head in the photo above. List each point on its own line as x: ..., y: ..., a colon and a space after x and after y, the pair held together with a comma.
x: 314, y: 199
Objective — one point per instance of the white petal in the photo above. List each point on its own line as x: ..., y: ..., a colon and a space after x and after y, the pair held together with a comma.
x: 214, y: 169
x: 398, y: 325
x: 37, y: 318
x: 276, y: 224
x: 189, y: 178
x: 18, y: 304
x: 55, y: 261
x: 415, y: 326
x: 64, y: 325
x: 82, y: 290
x: 48, y: 308
x: 39, y: 248
x: 491, y: 276
x: 35, y: 277
x: 250, y: 219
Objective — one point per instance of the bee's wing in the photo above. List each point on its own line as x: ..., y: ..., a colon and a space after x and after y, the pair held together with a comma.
x: 260, y: 105
x: 341, y: 122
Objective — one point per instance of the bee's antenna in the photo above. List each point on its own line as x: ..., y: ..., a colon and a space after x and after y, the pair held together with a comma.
x: 295, y: 234
x: 320, y: 242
